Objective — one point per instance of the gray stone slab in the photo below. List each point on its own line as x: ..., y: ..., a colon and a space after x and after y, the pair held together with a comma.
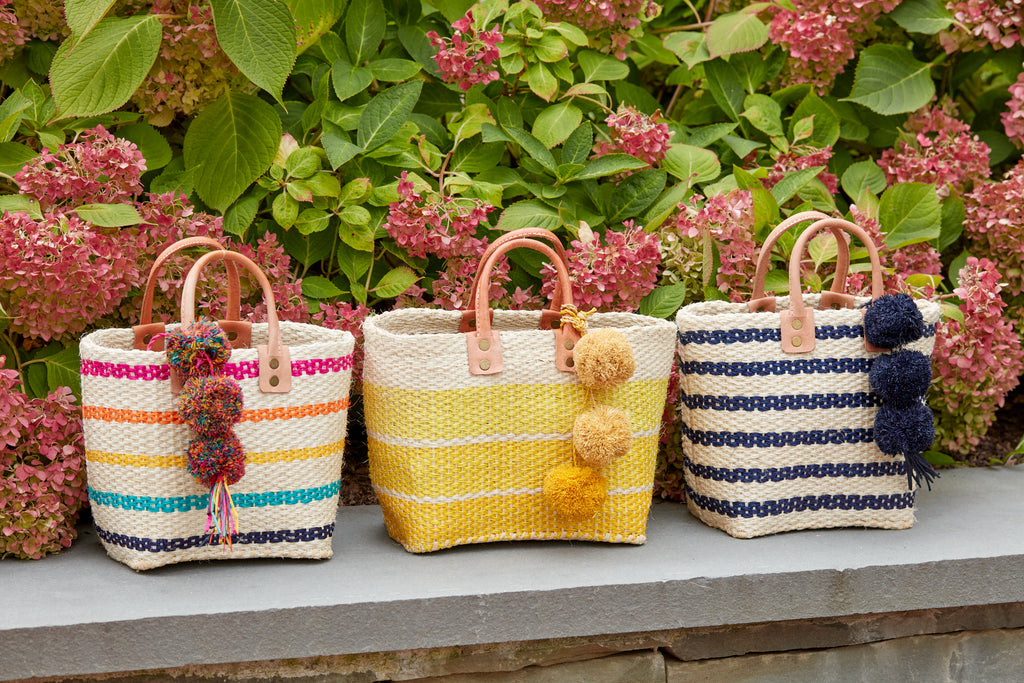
x: 638, y: 667
x: 98, y: 616
x: 973, y: 656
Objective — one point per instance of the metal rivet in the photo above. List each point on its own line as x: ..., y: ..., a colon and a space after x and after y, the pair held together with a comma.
x: 797, y: 341
x: 232, y: 336
x: 472, y: 322
x: 555, y: 324
x: 274, y: 380
x: 485, y: 364
x: 148, y: 338
x: 569, y: 344
x: 484, y: 345
x: 274, y: 364
x: 797, y: 324
x: 570, y: 362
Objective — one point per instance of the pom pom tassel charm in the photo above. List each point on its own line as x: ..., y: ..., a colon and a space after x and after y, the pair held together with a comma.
x: 221, y: 515
x: 918, y: 470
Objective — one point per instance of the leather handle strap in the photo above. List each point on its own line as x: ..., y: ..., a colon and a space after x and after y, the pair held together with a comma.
x: 275, y: 374
x: 484, y: 343
x: 550, y: 316
x: 836, y: 295
x: 232, y: 324
x: 798, y: 321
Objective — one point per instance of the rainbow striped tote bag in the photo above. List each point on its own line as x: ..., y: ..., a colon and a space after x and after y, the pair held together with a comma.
x: 289, y: 426
x: 478, y: 420
x: 799, y: 415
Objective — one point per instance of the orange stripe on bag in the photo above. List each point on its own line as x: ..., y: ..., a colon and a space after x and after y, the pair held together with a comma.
x: 163, y: 417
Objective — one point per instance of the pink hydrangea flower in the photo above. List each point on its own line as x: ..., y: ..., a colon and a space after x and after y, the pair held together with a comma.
x: 342, y: 315
x: 976, y: 362
x: 466, y: 58
x: 98, y: 167
x: 616, y: 17
x: 633, y: 132
x: 42, y: 19
x: 728, y: 220
x: 984, y: 22
x: 1013, y: 118
x: 944, y: 152
x: 12, y: 34
x: 995, y: 225
x: 614, y: 276
x: 799, y: 158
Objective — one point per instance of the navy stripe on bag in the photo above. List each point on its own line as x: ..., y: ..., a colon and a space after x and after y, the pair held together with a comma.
x: 859, y: 399
x: 772, y: 508
x: 755, y: 475
x: 814, y: 437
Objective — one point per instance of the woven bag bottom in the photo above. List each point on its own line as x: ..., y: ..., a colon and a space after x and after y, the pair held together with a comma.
x: 140, y: 561
x: 414, y: 547
x: 738, y: 527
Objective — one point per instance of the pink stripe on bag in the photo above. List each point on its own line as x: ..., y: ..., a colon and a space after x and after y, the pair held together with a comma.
x: 243, y: 370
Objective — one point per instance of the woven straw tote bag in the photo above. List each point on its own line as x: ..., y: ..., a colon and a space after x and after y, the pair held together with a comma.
x: 148, y: 509
x: 778, y: 406
x: 469, y: 413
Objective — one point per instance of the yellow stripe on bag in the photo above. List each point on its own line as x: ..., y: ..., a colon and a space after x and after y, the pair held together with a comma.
x: 503, y: 409
x: 496, y: 466
x: 260, y: 458
x: 428, y: 526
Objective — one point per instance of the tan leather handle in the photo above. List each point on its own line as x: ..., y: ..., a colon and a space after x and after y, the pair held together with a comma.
x: 798, y: 321
x: 484, y: 343
x: 836, y: 295
x: 146, y: 330
x: 550, y: 317
x: 274, y: 359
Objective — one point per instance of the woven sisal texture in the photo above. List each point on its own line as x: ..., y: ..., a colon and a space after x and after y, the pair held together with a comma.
x: 777, y: 441
x: 150, y: 512
x: 458, y: 458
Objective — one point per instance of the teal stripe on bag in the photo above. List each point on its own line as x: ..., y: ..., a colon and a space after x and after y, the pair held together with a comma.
x: 189, y: 503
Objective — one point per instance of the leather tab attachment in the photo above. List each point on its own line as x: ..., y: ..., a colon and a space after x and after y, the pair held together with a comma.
x: 275, y: 370
x: 763, y: 304
x: 836, y: 300
x: 566, y: 338
x: 468, y: 321
x: 798, y: 331
x: 484, y: 352
x: 145, y: 333
x: 238, y: 332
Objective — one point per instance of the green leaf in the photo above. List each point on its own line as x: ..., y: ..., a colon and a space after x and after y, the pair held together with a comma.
x: 393, y: 70
x: 792, y: 183
x: 353, y: 262
x: 109, y: 215
x: 724, y: 84
x: 14, y: 156
x: 556, y: 123
x: 313, y: 20
x: 533, y: 147
x: 542, y: 82
x: 909, y: 213
x: 83, y: 15
x: 889, y: 80
x: 241, y: 214
x: 922, y: 16
x: 353, y: 231
x: 62, y: 370
x: 954, y: 275
x: 702, y: 137
x: 578, y: 145
x: 452, y: 10
x: 663, y: 301
x: 349, y: 79
x: 312, y: 220
x: 741, y: 146
x: 395, y: 281
x: 689, y: 46
x: 107, y: 66
x: 337, y: 145
x: 764, y: 113
x: 599, y: 67
x: 826, y: 123
x: 308, y: 249
x: 938, y: 459
x: 364, y: 29
x: 385, y: 114
x: 318, y: 287
x: 20, y: 202
x: 475, y: 155
x: 608, y: 165
x: 738, y: 32
x: 302, y: 163
x: 529, y: 213
x: 229, y: 145
x: 259, y: 37
x: 324, y: 184
x: 285, y: 210
x: 860, y: 176
x: 953, y: 216
x: 151, y: 143
x: 634, y: 194
x: 692, y: 164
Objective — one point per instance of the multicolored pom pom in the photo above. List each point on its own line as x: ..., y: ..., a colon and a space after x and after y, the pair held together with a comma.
x: 901, y: 378
x: 603, y: 358
x: 575, y: 493
x: 211, y: 459
x: 210, y: 406
x: 601, y: 435
x: 893, y: 320
x: 197, y: 349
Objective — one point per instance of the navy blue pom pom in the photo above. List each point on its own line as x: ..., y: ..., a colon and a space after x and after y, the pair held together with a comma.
x: 893, y: 320
x: 906, y: 429
x: 902, y: 377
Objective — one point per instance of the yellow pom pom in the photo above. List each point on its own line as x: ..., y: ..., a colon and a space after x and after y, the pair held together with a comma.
x: 601, y: 435
x: 603, y: 358
x: 576, y: 493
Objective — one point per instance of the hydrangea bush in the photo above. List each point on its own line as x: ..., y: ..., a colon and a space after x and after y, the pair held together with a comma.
x: 366, y: 153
